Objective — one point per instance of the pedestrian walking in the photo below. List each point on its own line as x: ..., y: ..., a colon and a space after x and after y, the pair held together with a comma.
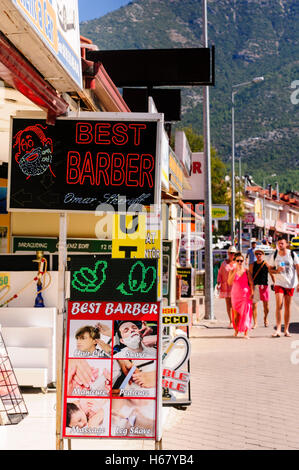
x: 224, y: 289
x: 241, y: 295
x: 250, y: 256
x: 259, y: 272
x: 284, y: 264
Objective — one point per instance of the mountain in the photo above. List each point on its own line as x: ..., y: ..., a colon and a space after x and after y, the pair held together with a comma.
x: 252, y: 38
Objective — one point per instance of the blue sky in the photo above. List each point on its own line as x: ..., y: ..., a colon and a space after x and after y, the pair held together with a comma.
x: 90, y: 9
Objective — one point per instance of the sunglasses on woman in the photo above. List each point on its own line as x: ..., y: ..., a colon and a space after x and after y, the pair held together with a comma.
x: 239, y: 260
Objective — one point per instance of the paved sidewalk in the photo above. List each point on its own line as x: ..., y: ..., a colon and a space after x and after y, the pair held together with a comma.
x: 245, y: 395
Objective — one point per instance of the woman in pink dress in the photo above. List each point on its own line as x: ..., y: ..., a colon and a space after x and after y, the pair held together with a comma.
x: 224, y: 289
x: 241, y: 294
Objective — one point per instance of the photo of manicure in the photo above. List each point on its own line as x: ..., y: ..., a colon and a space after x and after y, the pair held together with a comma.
x: 135, y: 339
x: 90, y: 338
x: 134, y: 378
x: 87, y: 417
x: 89, y: 377
x: 133, y: 418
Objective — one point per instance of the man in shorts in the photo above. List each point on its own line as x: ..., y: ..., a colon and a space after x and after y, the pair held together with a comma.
x: 259, y: 272
x: 285, y: 266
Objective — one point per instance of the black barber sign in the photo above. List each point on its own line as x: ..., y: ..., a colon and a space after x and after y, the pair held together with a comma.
x: 77, y: 165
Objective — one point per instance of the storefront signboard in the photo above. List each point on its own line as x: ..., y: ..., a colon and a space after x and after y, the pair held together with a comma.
x: 87, y: 164
x: 50, y: 245
x: 220, y: 212
x: 104, y: 278
x: 56, y: 23
x: 115, y: 403
x: 187, y: 275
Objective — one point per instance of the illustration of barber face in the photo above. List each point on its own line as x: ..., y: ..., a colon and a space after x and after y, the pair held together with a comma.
x: 34, y: 151
x: 130, y: 335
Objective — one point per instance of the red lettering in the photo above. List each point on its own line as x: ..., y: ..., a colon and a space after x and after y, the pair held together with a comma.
x: 121, y: 136
x: 165, y: 383
x: 166, y: 373
x: 100, y: 133
x: 181, y: 388
x: 173, y: 385
x: 197, y: 167
x: 83, y: 133
x: 137, y: 129
x: 117, y: 169
x: 87, y: 169
x: 199, y: 208
x: 73, y: 167
x: 130, y: 181
x: 146, y: 169
x: 103, y: 163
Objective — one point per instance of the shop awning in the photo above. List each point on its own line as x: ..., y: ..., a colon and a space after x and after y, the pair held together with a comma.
x: 20, y: 74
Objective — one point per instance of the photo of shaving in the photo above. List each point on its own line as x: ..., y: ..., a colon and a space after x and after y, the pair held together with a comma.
x: 90, y: 339
x: 135, y: 339
x: 133, y: 418
x: 89, y: 377
x: 87, y: 417
x: 134, y: 378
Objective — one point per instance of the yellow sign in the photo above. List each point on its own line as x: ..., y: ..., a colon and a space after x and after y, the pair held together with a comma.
x: 220, y: 212
x: 128, y: 236
x: 4, y: 280
x: 131, y: 239
x: 175, y: 320
x: 169, y: 310
x: 153, y: 250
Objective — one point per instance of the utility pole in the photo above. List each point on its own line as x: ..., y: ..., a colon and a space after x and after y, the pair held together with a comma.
x: 233, y: 209
x: 233, y: 196
x: 209, y: 291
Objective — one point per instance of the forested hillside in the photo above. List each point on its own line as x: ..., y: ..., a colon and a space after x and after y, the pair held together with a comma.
x: 252, y: 38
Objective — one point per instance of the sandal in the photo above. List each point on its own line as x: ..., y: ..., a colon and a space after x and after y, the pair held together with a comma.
x: 266, y: 323
x: 276, y: 335
x: 288, y: 334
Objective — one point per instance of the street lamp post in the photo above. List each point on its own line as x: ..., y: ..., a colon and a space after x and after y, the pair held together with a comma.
x: 233, y: 197
x: 209, y: 303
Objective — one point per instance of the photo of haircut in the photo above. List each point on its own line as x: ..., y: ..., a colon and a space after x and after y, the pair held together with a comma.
x: 90, y: 339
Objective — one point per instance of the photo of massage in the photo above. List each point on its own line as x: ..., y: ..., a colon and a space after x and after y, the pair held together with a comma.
x: 87, y: 417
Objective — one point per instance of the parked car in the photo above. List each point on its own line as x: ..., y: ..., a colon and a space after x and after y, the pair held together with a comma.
x: 294, y: 243
x: 268, y: 250
x: 220, y: 243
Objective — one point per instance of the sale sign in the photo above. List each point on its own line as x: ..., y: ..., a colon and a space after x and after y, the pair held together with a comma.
x: 111, y: 370
x: 81, y: 164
